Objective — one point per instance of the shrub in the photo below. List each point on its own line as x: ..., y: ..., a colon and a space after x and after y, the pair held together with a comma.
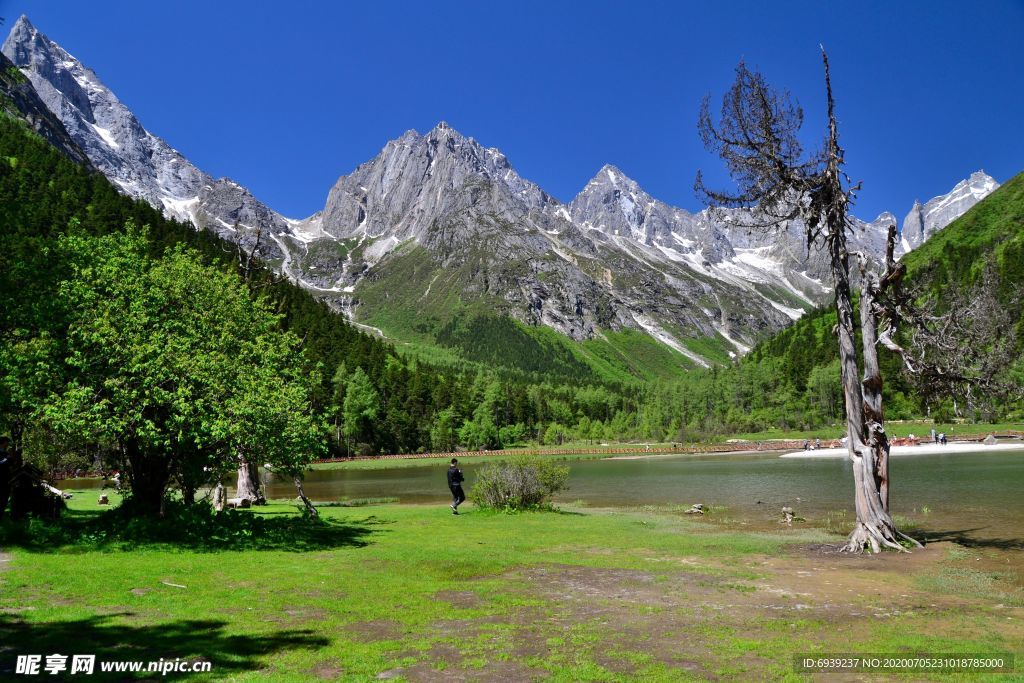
x: 521, y: 484
x: 196, y: 527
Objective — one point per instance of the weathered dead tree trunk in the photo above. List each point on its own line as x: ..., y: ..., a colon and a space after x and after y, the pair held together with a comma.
x: 874, y: 525
x: 758, y: 140
x: 867, y: 442
x: 249, y: 483
x: 310, y: 508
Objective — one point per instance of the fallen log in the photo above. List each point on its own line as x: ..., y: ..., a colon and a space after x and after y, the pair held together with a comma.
x: 56, y: 491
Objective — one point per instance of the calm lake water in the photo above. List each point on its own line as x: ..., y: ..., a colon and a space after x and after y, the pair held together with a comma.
x: 982, y: 493
x: 979, y: 495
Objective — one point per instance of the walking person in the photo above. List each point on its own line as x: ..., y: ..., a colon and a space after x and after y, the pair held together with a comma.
x: 5, y: 473
x: 455, y: 480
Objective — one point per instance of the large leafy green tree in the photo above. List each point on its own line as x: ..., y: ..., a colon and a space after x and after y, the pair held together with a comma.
x: 176, y: 363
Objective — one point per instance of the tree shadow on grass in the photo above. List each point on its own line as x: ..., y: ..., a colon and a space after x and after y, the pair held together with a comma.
x: 965, y: 538
x: 192, y: 528
x: 114, y: 638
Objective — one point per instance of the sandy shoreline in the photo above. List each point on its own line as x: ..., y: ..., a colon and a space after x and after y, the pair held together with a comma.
x: 923, y: 449
x: 656, y: 454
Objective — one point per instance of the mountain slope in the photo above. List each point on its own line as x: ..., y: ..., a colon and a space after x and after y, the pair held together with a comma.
x: 438, y: 228
x: 141, y: 164
x: 19, y: 99
x: 438, y: 242
x: 480, y: 232
x: 990, y: 233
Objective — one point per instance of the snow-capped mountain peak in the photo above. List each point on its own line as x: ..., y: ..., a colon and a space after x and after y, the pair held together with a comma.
x: 924, y: 220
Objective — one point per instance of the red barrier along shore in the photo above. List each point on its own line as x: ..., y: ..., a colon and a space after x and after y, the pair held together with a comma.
x: 642, y: 449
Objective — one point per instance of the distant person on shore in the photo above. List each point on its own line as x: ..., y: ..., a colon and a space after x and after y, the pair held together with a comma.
x: 935, y: 436
x: 455, y: 480
x: 807, y: 445
x: 817, y: 444
x: 5, y: 473
x: 942, y: 438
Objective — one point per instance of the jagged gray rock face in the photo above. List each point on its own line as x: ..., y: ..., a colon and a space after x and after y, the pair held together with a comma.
x: 139, y: 163
x: 390, y: 193
x: 616, y: 205
x: 441, y: 210
x: 923, y: 221
x: 579, y: 269
x: 472, y: 213
x: 19, y: 99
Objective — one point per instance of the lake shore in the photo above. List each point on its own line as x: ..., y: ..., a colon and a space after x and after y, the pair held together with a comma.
x: 922, y: 449
x: 651, y: 456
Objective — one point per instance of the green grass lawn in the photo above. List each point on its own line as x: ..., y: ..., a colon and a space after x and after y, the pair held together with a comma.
x: 414, y: 593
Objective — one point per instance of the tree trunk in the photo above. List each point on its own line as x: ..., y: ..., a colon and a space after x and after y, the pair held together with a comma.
x: 866, y: 442
x: 249, y: 483
x: 310, y: 508
x: 874, y: 527
x: 149, y: 475
x: 220, y: 497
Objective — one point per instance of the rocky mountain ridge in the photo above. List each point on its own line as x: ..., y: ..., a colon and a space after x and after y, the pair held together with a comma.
x: 924, y: 220
x: 141, y: 164
x: 438, y: 230
x: 19, y: 99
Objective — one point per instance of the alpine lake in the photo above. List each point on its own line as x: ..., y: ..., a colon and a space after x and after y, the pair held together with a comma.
x: 964, y: 495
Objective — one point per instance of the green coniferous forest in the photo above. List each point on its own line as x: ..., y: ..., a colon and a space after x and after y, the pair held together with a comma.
x: 367, y: 397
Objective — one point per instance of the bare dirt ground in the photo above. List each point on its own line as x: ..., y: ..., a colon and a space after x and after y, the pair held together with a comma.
x: 687, y: 618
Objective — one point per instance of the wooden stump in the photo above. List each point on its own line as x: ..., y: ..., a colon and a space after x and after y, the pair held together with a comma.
x: 220, y: 497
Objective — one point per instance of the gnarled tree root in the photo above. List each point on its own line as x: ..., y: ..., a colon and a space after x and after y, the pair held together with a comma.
x: 876, y: 538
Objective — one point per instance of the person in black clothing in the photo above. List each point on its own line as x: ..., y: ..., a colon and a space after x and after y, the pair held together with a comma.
x: 5, y: 473
x: 455, y: 480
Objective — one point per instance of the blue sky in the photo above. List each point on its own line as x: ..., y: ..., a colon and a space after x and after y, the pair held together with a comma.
x: 285, y: 97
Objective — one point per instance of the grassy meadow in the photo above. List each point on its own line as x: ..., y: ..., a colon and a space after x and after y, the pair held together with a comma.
x: 408, y: 592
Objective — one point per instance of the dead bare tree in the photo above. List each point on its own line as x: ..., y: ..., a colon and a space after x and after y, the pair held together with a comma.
x: 248, y: 483
x: 778, y: 183
x: 249, y: 263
